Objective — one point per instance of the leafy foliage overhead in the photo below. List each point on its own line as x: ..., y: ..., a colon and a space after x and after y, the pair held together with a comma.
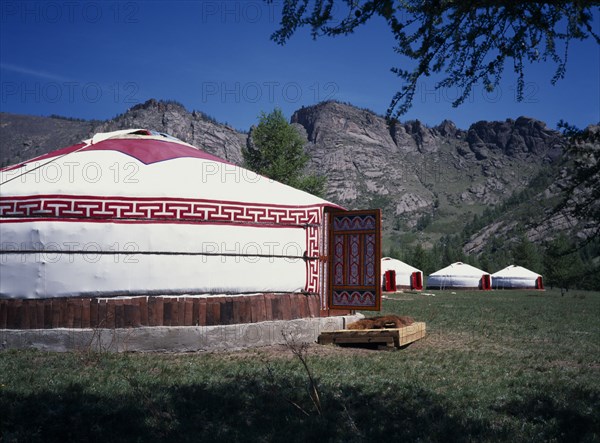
x: 470, y: 42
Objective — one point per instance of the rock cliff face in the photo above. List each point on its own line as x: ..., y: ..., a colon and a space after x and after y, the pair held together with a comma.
x: 518, y: 138
x: 531, y: 211
x: 357, y: 153
x: 413, y: 170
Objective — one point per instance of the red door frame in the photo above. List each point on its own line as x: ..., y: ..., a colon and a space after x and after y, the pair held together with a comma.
x: 390, y: 280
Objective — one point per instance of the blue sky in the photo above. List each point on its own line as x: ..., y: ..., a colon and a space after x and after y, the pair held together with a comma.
x: 97, y: 59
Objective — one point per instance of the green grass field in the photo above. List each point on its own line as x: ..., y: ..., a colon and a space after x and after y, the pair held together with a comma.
x: 496, y: 366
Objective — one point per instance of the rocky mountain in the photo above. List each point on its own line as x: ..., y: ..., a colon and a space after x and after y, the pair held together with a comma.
x: 436, y: 178
x: 530, y: 211
x: 23, y: 137
x: 430, y: 181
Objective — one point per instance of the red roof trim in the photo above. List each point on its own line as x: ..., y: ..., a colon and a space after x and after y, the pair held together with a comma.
x: 147, y: 151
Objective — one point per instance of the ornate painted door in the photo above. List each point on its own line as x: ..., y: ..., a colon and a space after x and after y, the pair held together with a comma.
x: 355, y: 260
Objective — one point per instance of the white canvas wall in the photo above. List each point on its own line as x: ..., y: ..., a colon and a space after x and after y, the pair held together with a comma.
x: 68, y: 259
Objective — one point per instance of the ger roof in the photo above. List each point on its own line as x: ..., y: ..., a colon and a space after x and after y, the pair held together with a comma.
x: 142, y: 163
x: 459, y: 269
x: 393, y: 263
x: 515, y: 271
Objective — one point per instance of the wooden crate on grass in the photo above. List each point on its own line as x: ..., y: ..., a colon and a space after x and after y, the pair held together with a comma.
x: 392, y: 337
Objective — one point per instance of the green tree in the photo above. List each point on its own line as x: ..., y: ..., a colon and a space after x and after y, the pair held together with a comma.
x: 470, y: 42
x: 452, y: 250
x: 435, y: 257
x: 485, y: 263
x: 562, y: 265
x: 497, y: 254
x: 394, y: 252
x: 420, y: 259
x: 590, y: 255
x: 525, y: 253
x: 473, y: 260
x: 276, y: 150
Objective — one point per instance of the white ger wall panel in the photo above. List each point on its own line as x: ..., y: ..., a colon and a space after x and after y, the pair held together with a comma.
x: 54, y: 259
x: 445, y: 281
x: 513, y: 282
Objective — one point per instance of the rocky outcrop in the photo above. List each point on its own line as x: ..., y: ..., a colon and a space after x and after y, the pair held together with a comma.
x: 423, y: 136
x: 364, y: 158
x: 448, y: 129
x: 332, y: 122
x: 402, y: 138
x: 410, y: 202
x: 409, y: 166
x: 515, y: 138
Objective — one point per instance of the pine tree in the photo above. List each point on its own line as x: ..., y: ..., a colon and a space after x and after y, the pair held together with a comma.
x: 420, y: 259
x: 562, y: 266
x: 526, y: 254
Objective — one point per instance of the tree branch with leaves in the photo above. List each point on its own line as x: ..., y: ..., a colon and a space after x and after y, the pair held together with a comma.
x: 581, y: 197
x: 470, y: 42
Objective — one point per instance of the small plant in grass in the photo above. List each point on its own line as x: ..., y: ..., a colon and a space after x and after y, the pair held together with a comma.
x: 300, y: 350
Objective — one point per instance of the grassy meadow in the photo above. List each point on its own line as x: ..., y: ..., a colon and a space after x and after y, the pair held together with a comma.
x: 516, y: 366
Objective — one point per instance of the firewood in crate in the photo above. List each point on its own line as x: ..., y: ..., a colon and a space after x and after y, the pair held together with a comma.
x: 382, y: 322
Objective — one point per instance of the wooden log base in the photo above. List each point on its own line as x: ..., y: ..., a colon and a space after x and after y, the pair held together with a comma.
x: 132, y: 312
